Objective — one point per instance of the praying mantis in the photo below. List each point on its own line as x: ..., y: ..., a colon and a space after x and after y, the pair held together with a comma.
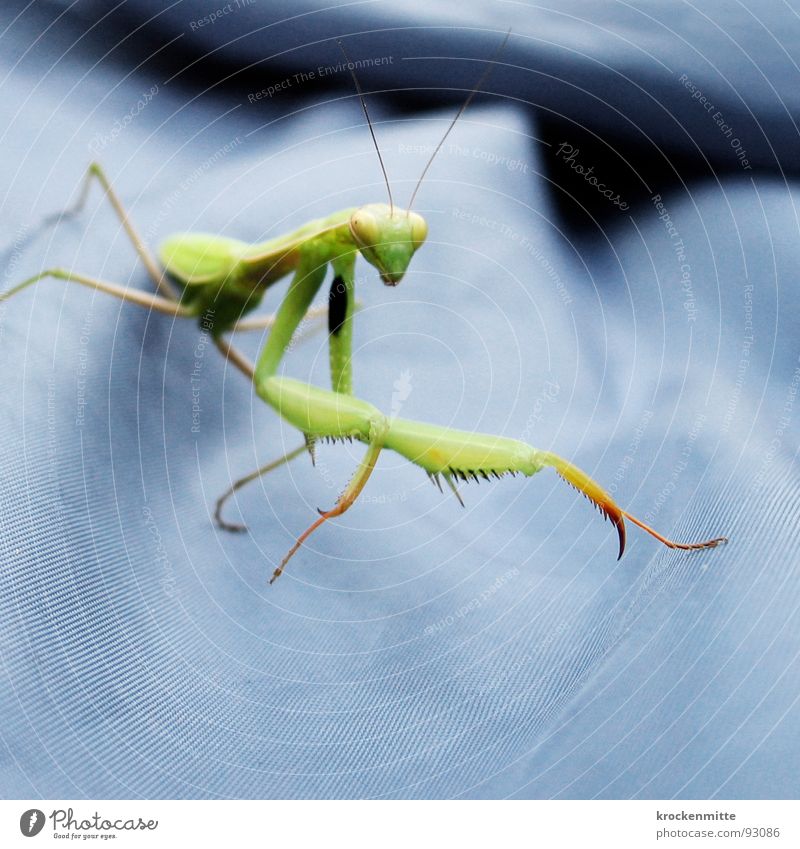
x: 219, y: 280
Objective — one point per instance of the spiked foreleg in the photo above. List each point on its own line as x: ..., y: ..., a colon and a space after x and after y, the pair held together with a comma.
x: 440, y: 451
x: 341, y: 304
x: 468, y: 456
x: 592, y: 490
x: 605, y: 504
x: 305, y: 284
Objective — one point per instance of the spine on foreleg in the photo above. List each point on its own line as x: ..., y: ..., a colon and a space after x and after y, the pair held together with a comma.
x: 319, y: 413
x: 453, y: 454
x: 443, y: 450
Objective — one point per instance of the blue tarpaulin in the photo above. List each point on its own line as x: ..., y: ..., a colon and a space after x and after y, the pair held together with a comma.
x: 607, y: 275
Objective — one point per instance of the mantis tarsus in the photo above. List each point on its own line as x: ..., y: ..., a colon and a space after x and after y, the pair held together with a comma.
x: 228, y: 278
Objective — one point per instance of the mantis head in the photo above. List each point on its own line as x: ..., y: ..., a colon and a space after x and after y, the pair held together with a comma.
x: 387, y: 238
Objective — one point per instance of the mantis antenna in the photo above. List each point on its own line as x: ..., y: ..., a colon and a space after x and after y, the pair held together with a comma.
x: 351, y: 68
x: 481, y: 82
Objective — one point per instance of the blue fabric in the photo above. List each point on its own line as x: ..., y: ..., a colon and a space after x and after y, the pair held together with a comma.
x: 412, y: 649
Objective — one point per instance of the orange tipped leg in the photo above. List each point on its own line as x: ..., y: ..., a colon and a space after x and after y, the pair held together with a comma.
x: 610, y: 510
x: 684, y: 546
x: 345, y: 501
x: 593, y: 491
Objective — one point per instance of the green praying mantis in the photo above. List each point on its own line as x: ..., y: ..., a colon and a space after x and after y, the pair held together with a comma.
x: 201, y: 275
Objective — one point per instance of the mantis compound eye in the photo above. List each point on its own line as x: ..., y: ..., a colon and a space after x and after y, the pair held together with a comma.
x: 364, y: 228
x: 419, y: 229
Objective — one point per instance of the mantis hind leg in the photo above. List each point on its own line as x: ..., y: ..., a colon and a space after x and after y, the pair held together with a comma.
x: 167, y: 291
x: 95, y: 172
x: 134, y: 296
x: 166, y: 302
x: 237, y: 485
